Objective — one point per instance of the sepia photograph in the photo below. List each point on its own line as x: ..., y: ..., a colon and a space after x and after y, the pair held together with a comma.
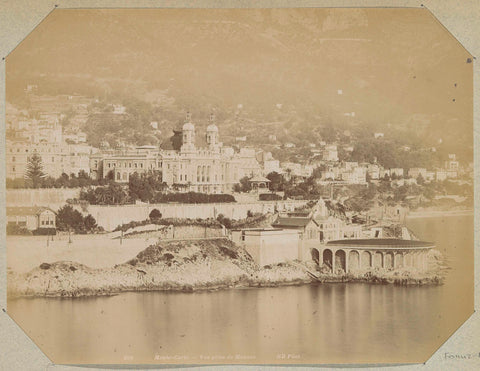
x: 239, y: 186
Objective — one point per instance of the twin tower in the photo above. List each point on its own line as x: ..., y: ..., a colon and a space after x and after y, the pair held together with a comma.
x: 188, y: 135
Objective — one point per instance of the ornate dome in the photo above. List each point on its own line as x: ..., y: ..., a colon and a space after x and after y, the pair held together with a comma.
x: 188, y: 126
x: 212, y: 127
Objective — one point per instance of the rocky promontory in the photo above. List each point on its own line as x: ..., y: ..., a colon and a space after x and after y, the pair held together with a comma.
x: 206, y: 264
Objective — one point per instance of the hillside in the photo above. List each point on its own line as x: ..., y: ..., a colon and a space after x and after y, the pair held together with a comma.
x: 294, y: 69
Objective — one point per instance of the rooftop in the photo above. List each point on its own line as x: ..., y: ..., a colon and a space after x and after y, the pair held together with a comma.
x: 382, y: 242
x: 292, y: 222
x: 24, y: 211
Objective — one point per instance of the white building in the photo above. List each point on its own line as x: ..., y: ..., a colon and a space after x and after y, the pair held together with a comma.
x: 330, y: 153
x: 201, y: 164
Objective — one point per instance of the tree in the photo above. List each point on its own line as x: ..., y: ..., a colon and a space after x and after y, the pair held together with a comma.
x: 144, y: 186
x: 245, y: 185
x: 420, y: 179
x: 277, y: 181
x: 34, y: 174
x: 62, y: 181
x: 89, y: 223
x: 69, y: 218
x: 155, y: 214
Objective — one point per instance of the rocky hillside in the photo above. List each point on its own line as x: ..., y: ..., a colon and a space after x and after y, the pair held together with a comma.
x: 177, y: 265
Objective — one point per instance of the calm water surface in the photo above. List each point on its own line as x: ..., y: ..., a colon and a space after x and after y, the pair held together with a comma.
x: 341, y: 323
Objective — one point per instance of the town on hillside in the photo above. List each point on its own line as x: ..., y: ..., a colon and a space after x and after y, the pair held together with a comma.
x: 64, y: 179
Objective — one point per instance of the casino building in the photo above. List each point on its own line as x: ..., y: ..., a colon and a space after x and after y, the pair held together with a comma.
x: 200, y: 164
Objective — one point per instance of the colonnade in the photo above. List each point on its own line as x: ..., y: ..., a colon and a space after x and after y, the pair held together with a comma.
x: 358, y: 259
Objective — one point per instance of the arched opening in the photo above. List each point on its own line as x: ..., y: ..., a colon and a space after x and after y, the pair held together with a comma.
x: 315, y: 256
x: 366, y: 259
x: 340, y: 261
x: 327, y: 258
x: 353, y: 260
x: 389, y: 260
x: 399, y: 261
x: 378, y: 260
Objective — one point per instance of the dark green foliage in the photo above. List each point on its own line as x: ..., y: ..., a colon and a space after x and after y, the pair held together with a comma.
x: 277, y: 181
x: 269, y: 197
x: 155, y: 214
x: 113, y: 194
x: 192, y: 197
x: 34, y: 174
x: 69, y: 219
x: 144, y: 186
x: 245, y: 185
x: 209, y: 223
x: 224, y: 221
x: 90, y: 223
x: 63, y: 181
x: 15, y: 229
x: 45, y: 232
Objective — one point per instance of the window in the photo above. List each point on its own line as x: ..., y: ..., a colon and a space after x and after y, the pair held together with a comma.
x: 53, y: 159
x: 13, y: 159
x: 141, y: 165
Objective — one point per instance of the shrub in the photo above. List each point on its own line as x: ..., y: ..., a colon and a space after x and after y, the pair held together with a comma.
x: 15, y: 229
x: 45, y: 232
x: 269, y: 197
x: 155, y: 214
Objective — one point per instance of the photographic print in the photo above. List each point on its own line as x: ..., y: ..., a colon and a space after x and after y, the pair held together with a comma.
x: 239, y: 186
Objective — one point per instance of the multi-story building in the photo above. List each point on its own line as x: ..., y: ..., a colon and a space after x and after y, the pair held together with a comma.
x: 330, y: 153
x: 57, y: 158
x: 201, y: 166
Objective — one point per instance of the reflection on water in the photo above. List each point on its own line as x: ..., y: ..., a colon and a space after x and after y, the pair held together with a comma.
x: 326, y: 323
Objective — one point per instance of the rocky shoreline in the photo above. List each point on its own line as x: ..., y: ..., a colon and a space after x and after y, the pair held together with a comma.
x: 189, y: 266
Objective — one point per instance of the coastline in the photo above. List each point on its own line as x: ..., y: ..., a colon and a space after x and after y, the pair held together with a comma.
x: 437, y: 213
x: 190, y: 266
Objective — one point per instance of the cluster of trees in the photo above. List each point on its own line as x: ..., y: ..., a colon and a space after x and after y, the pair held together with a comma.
x: 146, y: 187
x: 111, y: 194
x: 193, y: 198
x: 305, y: 189
x: 69, y: 219
x: 391, y: 155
